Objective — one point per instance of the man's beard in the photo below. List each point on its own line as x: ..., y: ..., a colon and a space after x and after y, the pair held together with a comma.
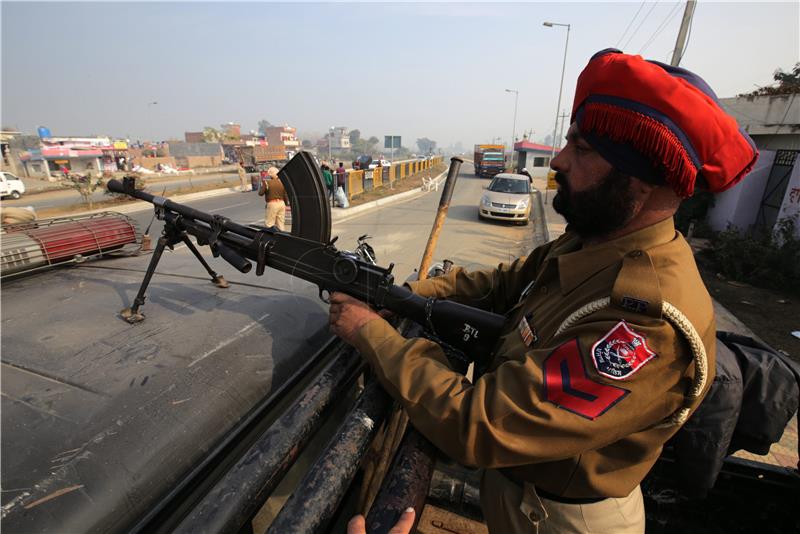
x: 598, y: 211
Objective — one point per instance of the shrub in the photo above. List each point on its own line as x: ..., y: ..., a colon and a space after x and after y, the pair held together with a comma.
x: 694, y: 209
x: 760, y: 257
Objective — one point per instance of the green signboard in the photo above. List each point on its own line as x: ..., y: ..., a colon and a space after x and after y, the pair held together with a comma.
x: 391, y: 141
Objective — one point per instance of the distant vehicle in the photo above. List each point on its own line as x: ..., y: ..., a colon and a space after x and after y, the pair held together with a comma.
x: 489, y: 160
x: 260, y: 157
x: 363, y: 162
x: 508, y: 198
x: 11, y: 185
x: 381, y: 162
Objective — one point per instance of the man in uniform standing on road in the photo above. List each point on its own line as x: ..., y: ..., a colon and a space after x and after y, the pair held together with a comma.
x: 275, y: 195
x: 243, y: 180
x: 609, y: 339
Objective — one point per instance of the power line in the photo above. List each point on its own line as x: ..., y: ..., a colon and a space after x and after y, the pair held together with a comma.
x: 640, y: 25
x: 630, y: 24
x: 660, y: 28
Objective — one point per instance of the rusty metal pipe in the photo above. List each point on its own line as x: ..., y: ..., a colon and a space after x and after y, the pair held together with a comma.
x: 406, y: 483
x: 236, y: 498
x: 441, y: 214
x: 314, y: 502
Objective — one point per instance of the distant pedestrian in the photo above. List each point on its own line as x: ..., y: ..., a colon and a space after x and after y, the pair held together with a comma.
x: 341, y: 175
x: 328, y: 176
x: 275, y: 195
x: 525, y: 172
x: 245, y: 183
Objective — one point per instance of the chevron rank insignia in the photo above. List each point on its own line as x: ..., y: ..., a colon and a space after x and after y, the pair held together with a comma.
x: 621, y: 352
x: 568, y: 386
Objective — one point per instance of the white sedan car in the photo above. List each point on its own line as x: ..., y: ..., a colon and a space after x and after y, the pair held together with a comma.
x: 381, y: 162
x: 508, y: 198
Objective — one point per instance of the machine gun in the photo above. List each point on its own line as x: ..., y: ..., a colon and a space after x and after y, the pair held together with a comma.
x: 464, y: 328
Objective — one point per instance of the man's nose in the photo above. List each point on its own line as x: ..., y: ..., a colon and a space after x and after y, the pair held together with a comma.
x: 558, y: 163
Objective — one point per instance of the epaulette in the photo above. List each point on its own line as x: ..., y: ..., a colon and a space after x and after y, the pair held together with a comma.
x: 636, y: 288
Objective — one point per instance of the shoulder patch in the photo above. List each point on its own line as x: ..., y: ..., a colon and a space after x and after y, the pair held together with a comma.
x: 569, y: 386
x: 621, y: 352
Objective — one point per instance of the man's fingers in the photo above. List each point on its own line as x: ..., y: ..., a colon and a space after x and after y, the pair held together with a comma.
x: 357, y: 525
x: 405, y: 522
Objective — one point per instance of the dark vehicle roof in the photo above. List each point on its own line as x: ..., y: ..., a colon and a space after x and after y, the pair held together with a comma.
x: 100, y: 418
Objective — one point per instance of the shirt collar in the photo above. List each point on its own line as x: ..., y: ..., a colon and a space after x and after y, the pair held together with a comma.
x: 577, y: 264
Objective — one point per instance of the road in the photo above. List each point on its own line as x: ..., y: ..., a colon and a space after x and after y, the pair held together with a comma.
x: 136, y: 407
x: 400, y: 231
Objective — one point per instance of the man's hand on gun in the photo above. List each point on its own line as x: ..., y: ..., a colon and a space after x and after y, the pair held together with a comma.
x: 347, y: 315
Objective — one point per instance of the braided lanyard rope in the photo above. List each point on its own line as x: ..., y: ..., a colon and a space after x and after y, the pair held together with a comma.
x: 685, y: 327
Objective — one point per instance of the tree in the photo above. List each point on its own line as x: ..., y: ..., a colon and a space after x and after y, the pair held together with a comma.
x: 373, y: 140
x: 263, y: 124
x: 426, y: 146
x: 307, y: 144
x: 212, y: 135
x: 355, y: 137
x: 786, y: 83
x: 85, y: 185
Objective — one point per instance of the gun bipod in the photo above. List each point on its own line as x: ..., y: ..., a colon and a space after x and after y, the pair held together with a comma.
x: 171, y: 235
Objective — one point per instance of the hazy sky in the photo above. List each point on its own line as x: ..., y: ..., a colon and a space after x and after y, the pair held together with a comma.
x: 432, y: 70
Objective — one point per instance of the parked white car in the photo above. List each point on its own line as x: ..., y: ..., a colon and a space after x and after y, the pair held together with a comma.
x: 10, y: 185
x: 381, y: 162
x: 508, y: 198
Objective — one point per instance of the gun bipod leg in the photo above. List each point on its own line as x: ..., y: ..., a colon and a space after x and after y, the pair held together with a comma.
x: 132, y: 314
x: 217, y: 279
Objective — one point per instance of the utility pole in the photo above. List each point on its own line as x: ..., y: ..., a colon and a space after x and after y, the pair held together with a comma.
x: 680, y: 44
x: 564, y: 115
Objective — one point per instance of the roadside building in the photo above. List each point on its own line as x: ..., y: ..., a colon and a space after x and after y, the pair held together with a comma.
x: 231, y: 131
x: 340, y: 142
x: 196, y: 155
x: 12, y: 143
x: 771, y: 191
x: 284, y: 136
x: 194, y: 137
x: 76, y: 154
x: 534, y: 157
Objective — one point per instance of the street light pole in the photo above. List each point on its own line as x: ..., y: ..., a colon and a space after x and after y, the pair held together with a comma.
x: 330, y: 142
x: 513, y: 127
x: 560, y: 87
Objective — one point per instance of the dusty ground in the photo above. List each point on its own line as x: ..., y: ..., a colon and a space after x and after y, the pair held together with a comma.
x: 772, y: 315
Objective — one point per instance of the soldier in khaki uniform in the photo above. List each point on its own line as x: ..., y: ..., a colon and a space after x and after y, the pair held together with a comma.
x: 609, y: 339
x: 275, y: 196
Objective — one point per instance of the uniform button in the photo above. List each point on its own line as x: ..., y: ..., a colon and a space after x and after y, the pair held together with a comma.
x: 635, y: 253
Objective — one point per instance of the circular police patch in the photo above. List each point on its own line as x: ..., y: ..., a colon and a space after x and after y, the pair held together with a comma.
x: 621, y: 352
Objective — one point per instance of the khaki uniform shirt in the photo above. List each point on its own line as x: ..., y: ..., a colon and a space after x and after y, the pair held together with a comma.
x: 273, y: 189
x: 574, y: 413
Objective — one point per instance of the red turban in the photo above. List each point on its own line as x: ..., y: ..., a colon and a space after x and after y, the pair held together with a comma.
x: 660, y: 123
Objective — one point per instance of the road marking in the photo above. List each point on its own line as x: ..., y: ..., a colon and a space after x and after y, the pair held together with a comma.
x: 241, y: 333
x: 231, y: 206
